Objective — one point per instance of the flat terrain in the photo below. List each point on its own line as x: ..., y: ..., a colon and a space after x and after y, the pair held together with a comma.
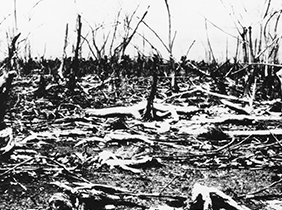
x: 120, y: 161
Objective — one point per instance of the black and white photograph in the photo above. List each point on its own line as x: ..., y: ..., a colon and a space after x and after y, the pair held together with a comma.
x: 140, y: 105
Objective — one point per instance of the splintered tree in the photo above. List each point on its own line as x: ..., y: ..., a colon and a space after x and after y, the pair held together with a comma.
x: 259, y: 46
x: 75, y: 63
x: 150, y: 112
x: 64, y: 56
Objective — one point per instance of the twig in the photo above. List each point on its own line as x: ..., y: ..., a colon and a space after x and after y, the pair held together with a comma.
x: 172, y: 180
x: 267, y: 47
x: 155, y: 33
x: 67, y: 170
x: 169, y: 28
x: 226, y: 145
x: 16, y: 166
x: 208, y: 40
x: 115, y: 31
x: 128, y: 39
x: 189, y: 48
x: 15, y: 15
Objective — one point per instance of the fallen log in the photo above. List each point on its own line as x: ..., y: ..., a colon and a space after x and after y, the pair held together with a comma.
x: 199, y: 130
x: 114, y: 112
x: 275, y: 132
x: 136, y: 110
x: 230, y: 119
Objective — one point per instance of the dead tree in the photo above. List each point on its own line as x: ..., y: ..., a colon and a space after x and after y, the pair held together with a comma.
x: 119, y: 51
x: 244, y: 45
x: 75, y: 63
x: 11, y: 53
x: 60, y: 74
x: 150, y: 112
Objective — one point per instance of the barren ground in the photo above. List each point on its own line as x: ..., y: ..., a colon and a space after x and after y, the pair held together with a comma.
x: 57, y: 146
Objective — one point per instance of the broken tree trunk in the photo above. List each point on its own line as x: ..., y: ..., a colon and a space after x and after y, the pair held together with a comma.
x: 75, y: 63
x: 11, y: 52
x: 150, y: 112
x: 244, y: 46
x: 61, y: 78
x: 173, y: 84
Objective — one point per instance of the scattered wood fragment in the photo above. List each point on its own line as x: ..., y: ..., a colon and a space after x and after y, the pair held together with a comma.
x: 230, y: 119
x: 16, y: 166
x: 200, y: 89
x: 197, y: 129
x: 72, y: 119
x: 163, y: 137
x: 105, y: 194
x: 88, y: 193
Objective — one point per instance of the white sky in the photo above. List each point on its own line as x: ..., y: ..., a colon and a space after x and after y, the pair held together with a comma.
x: 42, y: 23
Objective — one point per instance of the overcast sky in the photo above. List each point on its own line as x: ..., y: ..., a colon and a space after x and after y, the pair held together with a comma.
x: 42, y: 23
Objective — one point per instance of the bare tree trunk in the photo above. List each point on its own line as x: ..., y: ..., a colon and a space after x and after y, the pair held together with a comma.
x: 244, y: 46
x: 150, y: 111
x: 64, y: 56
x: 252, y: 56
x: 12, y: 52
x: 75, y: 63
